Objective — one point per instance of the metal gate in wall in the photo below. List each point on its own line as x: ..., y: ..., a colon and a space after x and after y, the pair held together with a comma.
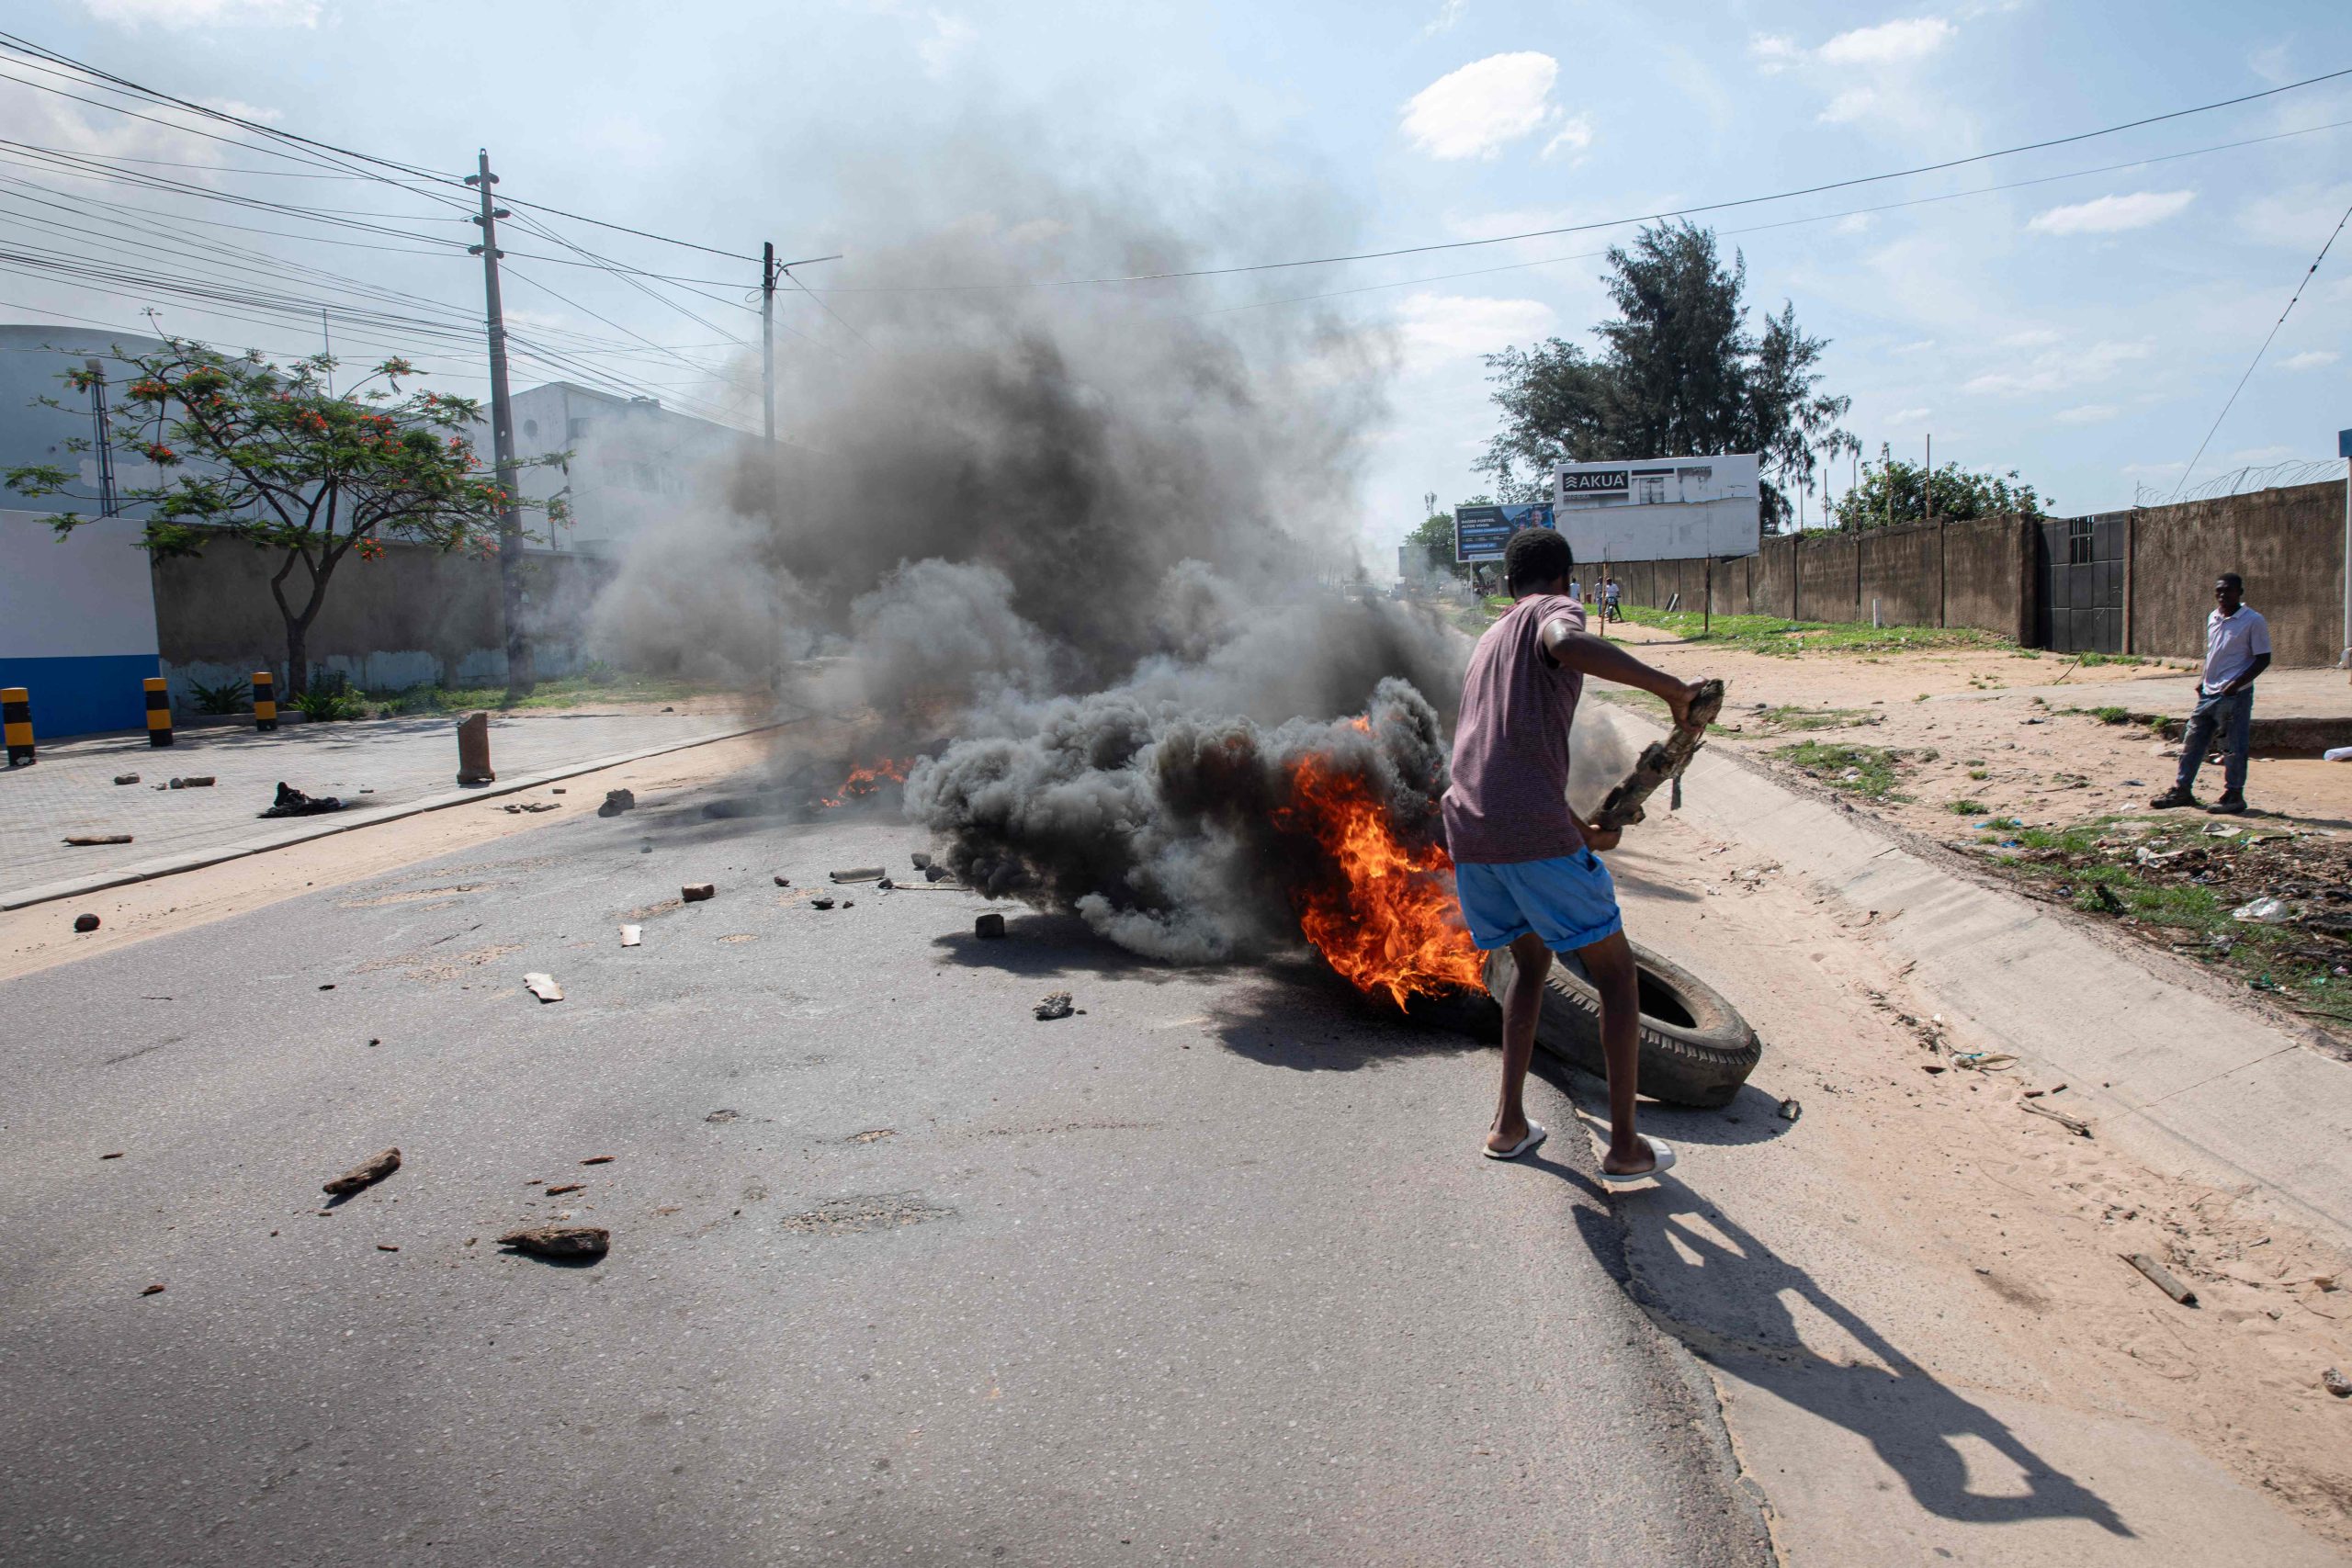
x: 2080, y: 607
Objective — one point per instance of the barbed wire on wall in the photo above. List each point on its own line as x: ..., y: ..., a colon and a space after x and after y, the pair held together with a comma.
x: 2237, y: 482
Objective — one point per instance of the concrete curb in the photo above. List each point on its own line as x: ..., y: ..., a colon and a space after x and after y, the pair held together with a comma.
x: 2181, y: 1079
x: 349, y: 821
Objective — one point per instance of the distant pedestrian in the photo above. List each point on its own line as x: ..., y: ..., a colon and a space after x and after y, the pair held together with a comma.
x: 1576, y: 590
x: 2237, y: 650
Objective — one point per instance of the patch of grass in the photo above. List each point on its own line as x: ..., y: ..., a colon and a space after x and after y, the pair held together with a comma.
x: 2112, y: 715
x: 1779, y: 635
x: 1966, y: 807
x: 1797, y: 718
x: 596, y: 682
x: 1978, y: 775
x: 1867, y: 771
x: 2093, y: 661
x: 318, y: 706
x: 2028, y: 653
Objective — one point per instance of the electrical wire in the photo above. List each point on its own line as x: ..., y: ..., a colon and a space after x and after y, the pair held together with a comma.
x: 2300, y: 284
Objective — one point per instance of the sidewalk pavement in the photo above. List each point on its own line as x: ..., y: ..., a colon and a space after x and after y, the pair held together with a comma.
x: 2188, y: 1083
x: 382, y: 768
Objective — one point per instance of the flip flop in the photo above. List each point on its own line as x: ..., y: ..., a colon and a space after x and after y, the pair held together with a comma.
x: 1659, y: 1149
x: 1536, y: 1134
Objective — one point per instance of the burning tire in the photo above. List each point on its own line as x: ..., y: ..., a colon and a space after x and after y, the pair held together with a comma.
x: 1695, y: 1048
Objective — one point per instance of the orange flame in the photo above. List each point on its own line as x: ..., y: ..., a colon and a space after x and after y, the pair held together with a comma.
x: 865, y: 780
x: 1388, y: 920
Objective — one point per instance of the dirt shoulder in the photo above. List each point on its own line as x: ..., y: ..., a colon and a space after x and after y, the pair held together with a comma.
x: 1910, y: 1283
x: 2040, y: 770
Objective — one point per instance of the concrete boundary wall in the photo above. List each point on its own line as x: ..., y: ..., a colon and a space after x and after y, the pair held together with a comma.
x: 417, y: 616
x: 1987, y: 573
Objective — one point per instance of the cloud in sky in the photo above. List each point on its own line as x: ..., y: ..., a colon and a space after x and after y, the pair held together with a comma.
x: 1908, y: 416
x: 2113, y: 214
x: 205, y: 13
x: 1883, y: 53
x: 2309, y: 359
x: 1452, y: 326
x: 950, y: 39
x: 1477, y: 111
x: 244, y: 111
x: 2055, y: 369
x: 1889, y: 43
x: 2087, y: 413
x: 1572, y: 137
x: 1447, y: 14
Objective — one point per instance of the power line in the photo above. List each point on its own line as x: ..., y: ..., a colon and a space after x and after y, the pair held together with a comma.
x: 2300, y: 284
x: 1797, y: 222
x: 1607, y: 223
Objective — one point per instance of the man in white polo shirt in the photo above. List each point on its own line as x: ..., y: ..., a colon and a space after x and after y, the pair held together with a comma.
x: 2237, y: 650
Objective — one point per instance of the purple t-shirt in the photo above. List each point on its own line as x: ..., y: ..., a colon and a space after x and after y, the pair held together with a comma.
x: 1508, y: 800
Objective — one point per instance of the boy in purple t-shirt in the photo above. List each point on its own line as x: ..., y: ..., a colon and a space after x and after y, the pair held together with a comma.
x: 1525, y: 868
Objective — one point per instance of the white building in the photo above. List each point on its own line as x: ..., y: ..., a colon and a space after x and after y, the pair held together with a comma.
x: 634, y: 463
x: 1659, y: 508
x: 77, y: 612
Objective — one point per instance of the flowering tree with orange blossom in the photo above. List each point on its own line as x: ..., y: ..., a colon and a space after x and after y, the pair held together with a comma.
x: 264, y: 454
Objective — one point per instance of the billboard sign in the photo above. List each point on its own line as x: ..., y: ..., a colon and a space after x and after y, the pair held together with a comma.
x: 1660, y: 508
x: 1480, y: 532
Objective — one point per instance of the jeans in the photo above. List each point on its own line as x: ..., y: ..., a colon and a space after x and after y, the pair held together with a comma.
x: 2232, y: 717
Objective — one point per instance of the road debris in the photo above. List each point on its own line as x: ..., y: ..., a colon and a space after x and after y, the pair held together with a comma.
x: 782, y: 880
x: 2161, y: 1277
x: 2264, y: 911
x: 292, y: 802
x: 873, y: 1135
x: 989, y: 927
x: 85, y: 922
x: 126, y: 778
x: 1791, y: 1110
x: 473, y: 750
x: 2337, y: 1383
x: 600, y: 1159
x: 86, y: 839
x: 937, y: 873
x: 562, y: 1187
x: 153, y: 1291
x: 859, y: 874
x: 559, y: 1241
x: 2073, y: 1124
x: 820, y: 903
x: 386, y: 1247
x: 921, y: 861
x: 722, y: 1115
x: 632, y: 935
x: 117, y: 1155
x: 695, y: 892
x: 1984, y: 1061
x: 193, y: 781
x: 365, y: 1174
x: 617, y: 801
x: 1056, y: 1005
x: 543, y: 987
x: 531, y: 806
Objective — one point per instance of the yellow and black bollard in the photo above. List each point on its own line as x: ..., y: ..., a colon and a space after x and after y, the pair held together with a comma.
x: 264, y: 701
x: 17, y: 718
x: 159, y: 712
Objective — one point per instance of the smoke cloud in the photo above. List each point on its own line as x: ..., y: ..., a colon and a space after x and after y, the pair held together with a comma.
x: 1097, y: 537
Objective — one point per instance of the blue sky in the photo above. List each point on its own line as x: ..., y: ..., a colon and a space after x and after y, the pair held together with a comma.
x: 2083, y: 330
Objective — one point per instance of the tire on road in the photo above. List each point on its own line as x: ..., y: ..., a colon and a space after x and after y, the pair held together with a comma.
x: 1695, y: 1048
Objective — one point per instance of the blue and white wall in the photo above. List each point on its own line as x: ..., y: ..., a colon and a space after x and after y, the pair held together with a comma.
x: 77, y: 622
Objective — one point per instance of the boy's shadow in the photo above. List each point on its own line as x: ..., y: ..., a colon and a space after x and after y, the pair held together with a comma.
x: 1911, y: 1420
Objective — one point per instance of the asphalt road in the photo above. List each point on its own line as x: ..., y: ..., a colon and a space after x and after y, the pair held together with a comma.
x: 1210, y: 1273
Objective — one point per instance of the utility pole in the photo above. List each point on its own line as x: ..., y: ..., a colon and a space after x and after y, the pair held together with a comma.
x: 107, y: 506
x: 1928, y: 484
x: 768, y: 340
x: 521, y: 677
x: 1886, y: 468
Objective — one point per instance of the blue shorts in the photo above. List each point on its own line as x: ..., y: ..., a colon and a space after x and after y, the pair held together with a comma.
x: 1569, y: 901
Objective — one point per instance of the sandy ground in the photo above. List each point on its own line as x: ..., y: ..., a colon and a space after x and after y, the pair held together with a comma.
x: 35, y: 938
x: 1933, y: 1253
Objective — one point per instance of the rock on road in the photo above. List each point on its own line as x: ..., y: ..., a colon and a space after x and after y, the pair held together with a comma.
x: 1210, y: 1272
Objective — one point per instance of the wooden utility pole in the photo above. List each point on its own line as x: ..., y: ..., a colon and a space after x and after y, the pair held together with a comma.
x: 521, y: 675
x: 768, y: 340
